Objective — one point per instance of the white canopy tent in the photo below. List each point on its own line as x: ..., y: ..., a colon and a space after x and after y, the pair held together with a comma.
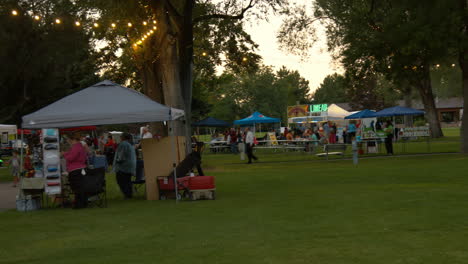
x: 101, y: 104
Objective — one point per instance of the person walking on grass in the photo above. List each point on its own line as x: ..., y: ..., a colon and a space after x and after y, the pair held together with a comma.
x: 125, y: 165
x: 249, y: 144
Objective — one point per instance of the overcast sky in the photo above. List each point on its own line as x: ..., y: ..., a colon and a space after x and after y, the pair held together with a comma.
x: 314, y: 69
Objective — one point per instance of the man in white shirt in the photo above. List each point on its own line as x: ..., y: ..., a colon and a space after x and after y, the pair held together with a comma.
x: 249, y: 144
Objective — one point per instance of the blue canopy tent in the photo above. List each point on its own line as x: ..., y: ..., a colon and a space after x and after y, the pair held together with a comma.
x: 362, y: 114
x: 256, y: 118
x: 398, y: 111
x: 211, y: 122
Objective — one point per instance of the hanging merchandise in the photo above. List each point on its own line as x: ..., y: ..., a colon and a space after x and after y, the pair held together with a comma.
x: 51, y: 161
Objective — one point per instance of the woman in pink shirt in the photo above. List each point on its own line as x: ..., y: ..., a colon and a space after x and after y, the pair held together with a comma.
x: 76, y: 162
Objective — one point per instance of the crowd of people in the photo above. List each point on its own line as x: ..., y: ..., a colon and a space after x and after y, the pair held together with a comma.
x: 318, y: 133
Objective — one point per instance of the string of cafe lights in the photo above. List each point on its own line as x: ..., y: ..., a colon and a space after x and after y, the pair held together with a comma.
x: 150, y: 26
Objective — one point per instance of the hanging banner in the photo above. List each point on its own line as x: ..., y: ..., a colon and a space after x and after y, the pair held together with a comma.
x: 297, y: 111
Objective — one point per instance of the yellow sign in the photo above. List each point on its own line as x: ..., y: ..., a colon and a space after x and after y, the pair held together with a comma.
x: 273, y: 140
x: 297, y: 111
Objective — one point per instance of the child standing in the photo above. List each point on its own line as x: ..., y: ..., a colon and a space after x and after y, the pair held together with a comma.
x: 15, y: 167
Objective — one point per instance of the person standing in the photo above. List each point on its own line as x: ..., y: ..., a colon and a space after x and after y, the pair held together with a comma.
x: 109, y: 149
x: 233, y: 141
x: 125, y: 165
x: 389, y: 138
x: 76, y: 163
x: 249, y: 144
x: 15, y: 167
x: 351, y: 131
x: 332, y: 136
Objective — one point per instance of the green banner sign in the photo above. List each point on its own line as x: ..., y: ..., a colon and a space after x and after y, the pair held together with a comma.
x: 318, y: 108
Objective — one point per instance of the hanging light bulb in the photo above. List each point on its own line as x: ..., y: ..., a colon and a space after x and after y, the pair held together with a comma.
x: 96, y: 25
x: 437, y: 65
x: 135, y: 45
x: 389, y: 67
x: 204, y: 54
x: 36, y: 17
x: 244, y: 59
x: 453, y: 64
x: 129, y: 24
x: 151, y: 31
x: 77, y: 23
x: 154, y: 22
x: 58, y: 21
x: 145, y: 23
x: 155, y: 28
x: 113, y: 25
x: 14, y: 12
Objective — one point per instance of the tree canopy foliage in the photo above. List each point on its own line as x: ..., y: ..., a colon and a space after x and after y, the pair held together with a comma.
x: 41, y: 62
x: 232, y: 96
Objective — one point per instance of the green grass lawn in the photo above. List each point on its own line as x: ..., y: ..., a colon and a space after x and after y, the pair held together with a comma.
x: 385, y: 210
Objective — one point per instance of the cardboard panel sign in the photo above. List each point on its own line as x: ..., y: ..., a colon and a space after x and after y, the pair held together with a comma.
x: 415, y: 132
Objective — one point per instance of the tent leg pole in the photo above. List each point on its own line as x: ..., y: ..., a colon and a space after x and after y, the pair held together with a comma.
x: 174, y: 162
x: 20, y: 177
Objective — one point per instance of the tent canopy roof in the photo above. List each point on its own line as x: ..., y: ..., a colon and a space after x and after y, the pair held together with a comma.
x: 335, y: 111
x: 256, y: 118
x: 8, y: 128
x: 398, y: 111
x: 211, y: 122
x: 362, y: 114
x: 101, y: 104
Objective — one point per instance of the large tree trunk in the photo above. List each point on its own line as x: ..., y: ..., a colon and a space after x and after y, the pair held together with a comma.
x: 152, y: 87
x: 186, y: 70
x: 463, y: 58
x: 162, y: 80
x: 408, y: 100
x: 425, y: 90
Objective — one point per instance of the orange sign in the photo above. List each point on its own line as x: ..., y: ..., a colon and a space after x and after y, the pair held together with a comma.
x: 297, y: 111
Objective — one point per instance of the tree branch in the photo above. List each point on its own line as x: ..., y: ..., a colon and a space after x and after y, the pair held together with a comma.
x: 172, y: 9
x: 225, y: 16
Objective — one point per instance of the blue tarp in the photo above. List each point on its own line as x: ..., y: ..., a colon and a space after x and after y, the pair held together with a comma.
x: 256, y: 118
x: 398, y: 111
x: 362, y: 114
x: 211, y: 122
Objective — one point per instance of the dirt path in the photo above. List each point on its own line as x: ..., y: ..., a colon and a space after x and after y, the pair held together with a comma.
x: 7, y: 196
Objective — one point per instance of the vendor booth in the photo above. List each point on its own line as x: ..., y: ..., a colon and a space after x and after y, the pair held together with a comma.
x: 101, y: 104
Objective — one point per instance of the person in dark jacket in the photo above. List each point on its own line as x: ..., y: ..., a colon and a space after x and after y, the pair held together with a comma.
x: 125, y: 165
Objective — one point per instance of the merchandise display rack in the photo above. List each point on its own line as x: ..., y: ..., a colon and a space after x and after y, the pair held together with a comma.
x: 51, y: 158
